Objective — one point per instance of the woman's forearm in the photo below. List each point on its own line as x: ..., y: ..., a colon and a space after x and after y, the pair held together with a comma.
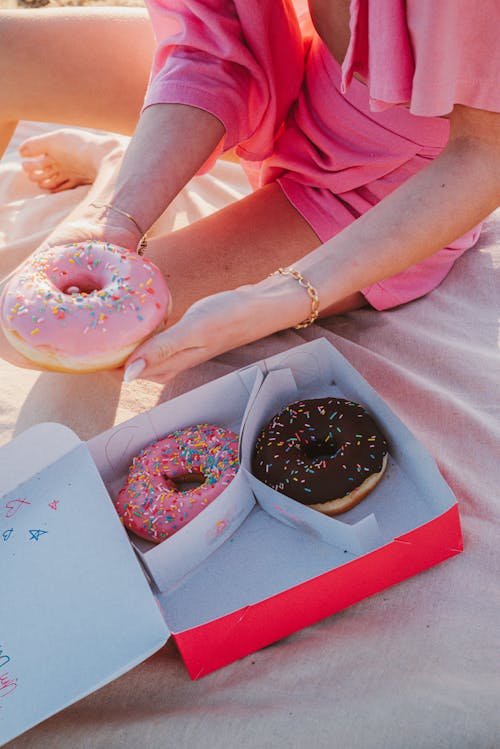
x: 431, y: 210
x: 170, y: 144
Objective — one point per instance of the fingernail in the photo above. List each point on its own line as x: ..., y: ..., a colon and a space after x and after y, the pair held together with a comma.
x: 134, y: 370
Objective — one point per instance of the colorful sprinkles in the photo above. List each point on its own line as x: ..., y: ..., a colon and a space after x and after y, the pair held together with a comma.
x: 84, y: 297
x: 318, y: 450
x: 153, y: 503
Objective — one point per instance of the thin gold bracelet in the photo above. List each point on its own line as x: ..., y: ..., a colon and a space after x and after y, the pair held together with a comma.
x: 142, y: 244
x: 313, y: 294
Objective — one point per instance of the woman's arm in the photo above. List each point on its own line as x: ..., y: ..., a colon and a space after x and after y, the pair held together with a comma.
x: 432, y: 209
x: 224, y: 72
x: 234, y: 68
x: 170, y: 144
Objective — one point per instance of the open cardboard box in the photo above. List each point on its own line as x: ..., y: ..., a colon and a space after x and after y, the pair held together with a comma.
x: 82, y: 601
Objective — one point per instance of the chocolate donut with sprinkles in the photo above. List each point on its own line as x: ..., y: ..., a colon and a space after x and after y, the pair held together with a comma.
x: 153, y: 503
x: 327, y: 453
x: 83, y: 307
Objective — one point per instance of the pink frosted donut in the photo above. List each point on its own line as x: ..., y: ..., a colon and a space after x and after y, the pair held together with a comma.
x: 152, y: 503
x: 83, y: 307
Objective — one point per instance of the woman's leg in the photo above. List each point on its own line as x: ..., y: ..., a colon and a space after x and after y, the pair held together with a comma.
x: 240, y: 244
x: 82, y: 66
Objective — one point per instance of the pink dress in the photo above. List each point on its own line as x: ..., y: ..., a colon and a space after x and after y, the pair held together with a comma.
x: 335, y: 145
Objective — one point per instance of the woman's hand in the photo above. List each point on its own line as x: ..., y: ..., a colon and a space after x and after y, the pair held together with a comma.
x: 217, y: 324
x: 211, y: 326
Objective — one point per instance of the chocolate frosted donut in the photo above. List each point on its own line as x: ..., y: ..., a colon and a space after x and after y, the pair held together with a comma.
x: 327, y: 453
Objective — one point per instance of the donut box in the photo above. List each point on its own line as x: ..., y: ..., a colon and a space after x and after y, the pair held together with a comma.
x: 84, y: 602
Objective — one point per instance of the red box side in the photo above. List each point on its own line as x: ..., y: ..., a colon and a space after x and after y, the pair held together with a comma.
x: 444, y: 530
x: 222, y: 641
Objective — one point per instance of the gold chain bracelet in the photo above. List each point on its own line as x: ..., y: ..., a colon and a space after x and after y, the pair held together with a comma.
x: 313, y: 294
x: 142, y: 244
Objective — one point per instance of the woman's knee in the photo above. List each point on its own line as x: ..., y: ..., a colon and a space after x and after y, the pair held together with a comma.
x: 60, y: 67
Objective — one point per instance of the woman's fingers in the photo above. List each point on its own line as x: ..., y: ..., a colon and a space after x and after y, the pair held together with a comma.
x: 164, y: 354
x: 83, y: 229
x: 211, y: 326
x: 161, y: 358
x: 176, y: 364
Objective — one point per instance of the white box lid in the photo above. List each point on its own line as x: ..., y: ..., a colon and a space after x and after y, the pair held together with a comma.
x: 76, y: 610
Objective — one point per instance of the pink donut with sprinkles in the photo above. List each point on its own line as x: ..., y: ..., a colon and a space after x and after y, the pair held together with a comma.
x: 83, y: 307
x: 153, y: 503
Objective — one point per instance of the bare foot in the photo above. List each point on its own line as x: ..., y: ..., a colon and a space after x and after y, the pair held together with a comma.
x: 66, y: 158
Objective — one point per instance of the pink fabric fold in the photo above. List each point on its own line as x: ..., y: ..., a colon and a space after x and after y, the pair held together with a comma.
x: 426, y: 55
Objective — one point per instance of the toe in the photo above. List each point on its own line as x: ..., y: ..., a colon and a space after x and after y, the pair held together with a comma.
x: 48, y: 183
x: 43, y: 164
x: 37, y: 145
x: 36, y: 175
x: 65, y: 184
x: 43, y: 177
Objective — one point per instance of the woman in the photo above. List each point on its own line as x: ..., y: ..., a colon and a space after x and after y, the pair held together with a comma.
x: 372, y: 138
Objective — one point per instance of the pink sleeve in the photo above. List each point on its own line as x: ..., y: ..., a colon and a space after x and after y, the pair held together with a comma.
x: 426, y: 54
x: 457, y: 54
x: 242, y: 61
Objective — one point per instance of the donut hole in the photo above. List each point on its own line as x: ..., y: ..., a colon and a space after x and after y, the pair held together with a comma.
x: 80, y: 281
x: 186, y: 482
x: 81, y: 288
x: 320, y: 449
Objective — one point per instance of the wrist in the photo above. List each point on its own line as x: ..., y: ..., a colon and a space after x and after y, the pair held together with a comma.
x: 114, y: 225
x: 281, y: 302
x: 113, y: 208
x: 120, y: 214
x: 311, y: 291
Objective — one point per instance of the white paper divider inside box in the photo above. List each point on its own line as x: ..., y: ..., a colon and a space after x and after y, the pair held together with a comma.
x: 223, y: 402
x: 312, y: 363
x: 169, y: 562
x: 279, y: 389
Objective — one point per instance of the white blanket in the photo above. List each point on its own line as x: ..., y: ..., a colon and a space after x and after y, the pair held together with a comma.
x: 414, y: 666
